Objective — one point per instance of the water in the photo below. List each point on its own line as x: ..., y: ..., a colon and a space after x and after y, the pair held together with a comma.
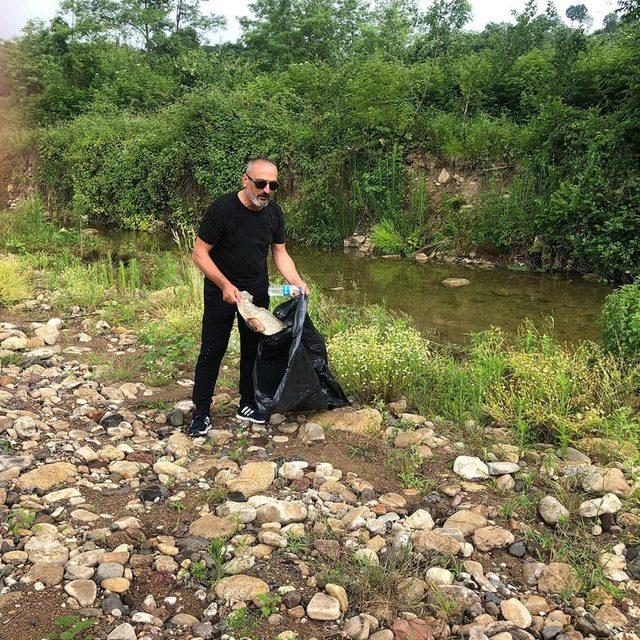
x: 500, y: 297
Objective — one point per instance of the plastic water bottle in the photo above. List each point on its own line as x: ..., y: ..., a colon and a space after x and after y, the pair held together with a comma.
x: 283, y: 290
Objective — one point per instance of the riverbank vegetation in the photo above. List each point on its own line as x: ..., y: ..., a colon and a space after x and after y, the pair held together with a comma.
x: 536, y: 387
x: 363, y: 106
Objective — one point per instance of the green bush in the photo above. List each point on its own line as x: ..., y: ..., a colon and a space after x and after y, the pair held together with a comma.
x: 620, y: 322
x: 386, y: 238
x: 16, y: 276
x: 376, y: 362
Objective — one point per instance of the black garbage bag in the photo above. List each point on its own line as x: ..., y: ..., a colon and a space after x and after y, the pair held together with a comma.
x: 291, y: 371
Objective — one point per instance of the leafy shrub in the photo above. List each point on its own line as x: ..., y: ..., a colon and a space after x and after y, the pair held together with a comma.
x: 386, y: 238
x: 551, y: 393
x: 376, y: 362
x: 15, y: 279
x: 620, y: 322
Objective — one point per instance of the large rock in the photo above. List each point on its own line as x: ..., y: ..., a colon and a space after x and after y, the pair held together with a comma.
x: 84, y: 591
x: 514, y: 611
x: 311, y: 433
x: 127, y: 469
x: 454, y: 283
x: 536, y: 605
x: 606, y: 481
x: 608, y: 503
x: 357, y: 628
x: 339, y: 593
x: 489, y: 538
x: 170, y: 469
x: 240, y: 588
x: 323, y: 607
x: 179, y: 444
x: 254, y: 478
x: 61, y: 495
x: 242, y: 511
x: 415, y: 629
x: 470, y: 468
x: 502, y: 468
x: 49, y: 573
x: 45, y: 548
x: 363, y: 421
x: 552, y: 510
x: 465, y: 521
x: 47, y: 476
x: 420, y: 519
x: 48, y: 333
x: 25, y: 427
x: 123, y: 631
x: 211, y: 526
x: 282, y: 511
x: 436, y: 542
x: 558, y: 577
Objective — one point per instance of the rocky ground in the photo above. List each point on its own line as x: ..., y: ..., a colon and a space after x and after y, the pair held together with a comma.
x: 358, y: 523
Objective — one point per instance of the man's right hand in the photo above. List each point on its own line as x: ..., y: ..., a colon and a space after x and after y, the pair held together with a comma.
x: 231, y: 294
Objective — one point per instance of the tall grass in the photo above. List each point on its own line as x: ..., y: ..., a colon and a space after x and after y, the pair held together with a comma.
x: 538, y: 388
x: 88, y: 285
x: 16, y: 276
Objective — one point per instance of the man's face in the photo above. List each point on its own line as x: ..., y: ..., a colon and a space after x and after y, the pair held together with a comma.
x: 260, y: 170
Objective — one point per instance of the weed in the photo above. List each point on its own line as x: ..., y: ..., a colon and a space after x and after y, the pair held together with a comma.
x: 71, y: 627
x: 242, y: 623
x: 122, y: 368
x: 177, y: 506
x: 5, y: 445
x: 199, y: 572
x: 368, y: 583
x: 15, y: 359
x: 296, y: 543
x: 520, y: 504
x: 358, y: 451
x: 216, y: 553
x: 576, y: 547
x: 442, y: 605
x: 269, y: 603
x: 237, y: 455
x: 20, y: 519
x: 217, y: 495
x: 407, y: 465
x: 378, y: 361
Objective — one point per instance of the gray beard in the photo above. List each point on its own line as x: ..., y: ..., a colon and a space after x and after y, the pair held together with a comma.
x: 257, y: 202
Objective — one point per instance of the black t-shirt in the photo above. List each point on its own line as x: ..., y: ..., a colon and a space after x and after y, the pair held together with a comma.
x: 241, y: 239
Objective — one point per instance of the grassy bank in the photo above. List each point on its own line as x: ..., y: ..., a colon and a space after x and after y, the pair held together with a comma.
x: 539, y: 389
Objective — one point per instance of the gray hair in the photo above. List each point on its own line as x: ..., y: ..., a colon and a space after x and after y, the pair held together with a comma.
x: 252, y: 161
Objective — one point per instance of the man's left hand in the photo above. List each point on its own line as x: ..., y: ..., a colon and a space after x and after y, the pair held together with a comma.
x: 302, y: 286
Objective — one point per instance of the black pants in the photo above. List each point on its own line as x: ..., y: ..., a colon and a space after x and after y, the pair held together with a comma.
x: 217, y: 322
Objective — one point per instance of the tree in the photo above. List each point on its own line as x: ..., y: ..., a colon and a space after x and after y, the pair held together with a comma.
x: 440, y: 24
x: 282, y: 32
x: 578, y: 13
x: 610, y: 22
x: 149, y: 22
x: 391, y: 30
x: 629, y: 10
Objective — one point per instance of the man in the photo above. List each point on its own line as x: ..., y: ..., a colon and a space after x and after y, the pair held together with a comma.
x: 231, y: 251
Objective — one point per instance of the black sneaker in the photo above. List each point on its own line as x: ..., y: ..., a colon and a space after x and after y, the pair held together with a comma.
x: 200, y: 425
x: 247, y: 412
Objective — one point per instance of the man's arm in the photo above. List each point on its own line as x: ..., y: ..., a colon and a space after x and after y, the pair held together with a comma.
x: 203, y: 261
x: 287, y: 267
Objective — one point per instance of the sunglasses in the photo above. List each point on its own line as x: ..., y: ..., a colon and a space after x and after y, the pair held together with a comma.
x: 261, y: 184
